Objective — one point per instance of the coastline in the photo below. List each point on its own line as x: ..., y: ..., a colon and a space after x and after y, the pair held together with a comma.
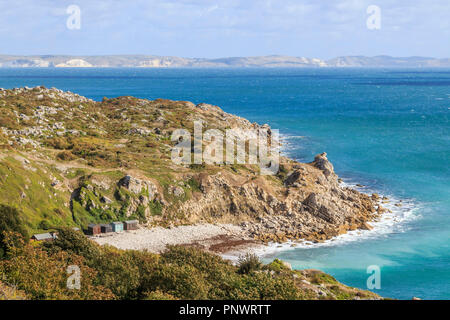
x: 231, y: 241
x: 228, y: 211
x: 302, y: 201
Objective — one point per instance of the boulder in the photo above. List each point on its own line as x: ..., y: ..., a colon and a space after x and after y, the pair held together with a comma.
x: 321, y: 162
x: 105, y: 199
x: 293, y: 178
x: 177, y: 191
x: 138, y: 186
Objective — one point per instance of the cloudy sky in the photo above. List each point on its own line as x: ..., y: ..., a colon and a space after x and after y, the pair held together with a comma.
x: 201, y: 28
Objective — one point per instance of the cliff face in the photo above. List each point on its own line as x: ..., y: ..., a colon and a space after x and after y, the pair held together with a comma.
x: 68, y: 160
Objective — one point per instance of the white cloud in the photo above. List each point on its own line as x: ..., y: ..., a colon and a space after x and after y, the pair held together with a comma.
x: 225, y: 27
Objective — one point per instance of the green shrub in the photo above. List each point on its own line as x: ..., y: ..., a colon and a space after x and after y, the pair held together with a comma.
x: 249, y: 263
x: 183, y: 282
x: 76, y: 243
x: 158, y: 295
x: 44, y: 225
x: 155, y: 207
x: 39, y: 269
x: 43, y: 275
x: 10, y: 221
x: 194, y: 184
x: 66, y: 156
x: 277, y: 266
x: 58, y: 143
x: 118, y: 271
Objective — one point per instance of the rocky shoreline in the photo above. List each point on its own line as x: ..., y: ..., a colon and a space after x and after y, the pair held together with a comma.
x: 310, y: 205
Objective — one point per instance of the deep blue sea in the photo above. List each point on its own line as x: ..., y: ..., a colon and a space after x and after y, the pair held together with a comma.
x: 387, y: 129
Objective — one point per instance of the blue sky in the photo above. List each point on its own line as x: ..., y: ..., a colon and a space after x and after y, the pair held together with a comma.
x: 201, y: 28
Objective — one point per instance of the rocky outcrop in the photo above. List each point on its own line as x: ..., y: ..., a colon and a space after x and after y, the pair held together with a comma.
x: 311, y: 204
x: 321, y: 162
x: 138, y: 186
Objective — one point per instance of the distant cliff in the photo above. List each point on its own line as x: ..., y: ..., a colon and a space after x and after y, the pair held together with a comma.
x: 274, y: 61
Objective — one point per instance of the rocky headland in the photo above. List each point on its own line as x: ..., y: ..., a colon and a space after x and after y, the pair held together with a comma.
x: 68, y: 161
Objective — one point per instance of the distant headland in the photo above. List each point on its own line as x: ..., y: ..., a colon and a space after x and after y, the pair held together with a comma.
x: 273, y: 61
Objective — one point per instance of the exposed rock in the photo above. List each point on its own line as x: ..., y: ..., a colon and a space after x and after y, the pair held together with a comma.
x: 313, y: 211
x: 321, y: 162
x: 140, y: 131
x: 138, y: 186
x: 287, y: 265
x: 176, y: 191
x: 293, y: 178
x: 106, y: 200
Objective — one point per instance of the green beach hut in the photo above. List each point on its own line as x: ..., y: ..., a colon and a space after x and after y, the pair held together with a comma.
x: 117, y: 226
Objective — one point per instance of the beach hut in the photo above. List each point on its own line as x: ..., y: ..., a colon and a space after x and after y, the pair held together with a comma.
x: 130, y: 225
x: 42, y: 237
x: 117, y: 226
x: 94, y: 229
x: 106, y: 228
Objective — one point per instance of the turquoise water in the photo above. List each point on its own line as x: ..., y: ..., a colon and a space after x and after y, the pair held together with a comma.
x: 386, y: 129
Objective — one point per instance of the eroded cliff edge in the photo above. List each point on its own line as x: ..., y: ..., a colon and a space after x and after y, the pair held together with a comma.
x: 68, y: 160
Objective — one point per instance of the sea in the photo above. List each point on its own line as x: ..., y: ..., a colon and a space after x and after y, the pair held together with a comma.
x: 386, y: 130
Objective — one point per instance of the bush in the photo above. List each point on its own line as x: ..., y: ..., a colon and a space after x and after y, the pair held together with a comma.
x: 249, y: 263
x: 118, y: 271
x: 201, y: 260
x: 75, y: 243
x: 66, y: 156
x: 10, y: 221
x: 277, y: 266
x: 109, y: 273
x: 44, y: 225
x: 158, y: 295
x: 269, y: 287
x: 43, y: 275
x: 58, y: 143
x: 183, y: 282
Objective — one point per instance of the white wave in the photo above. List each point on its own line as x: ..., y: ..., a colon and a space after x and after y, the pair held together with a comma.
x: 393, y: 221
x: 287, y: 136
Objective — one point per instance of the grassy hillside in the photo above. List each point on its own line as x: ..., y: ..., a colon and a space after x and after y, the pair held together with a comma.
x: 62, y: 155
